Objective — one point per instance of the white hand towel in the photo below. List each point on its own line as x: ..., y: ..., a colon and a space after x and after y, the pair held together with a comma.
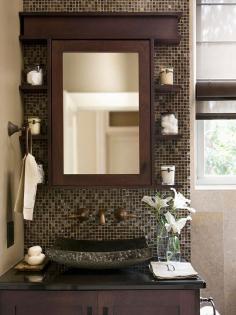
x: 20, y: 193
x: 32, y: 179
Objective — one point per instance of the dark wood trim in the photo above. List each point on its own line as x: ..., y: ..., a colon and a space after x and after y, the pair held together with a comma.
x: 35, y: 137
x: 174, y: 41
x: 215, y: 90
x: 152, y: 121
x: 157, y: 14
x: 34, y: 40
x: 210, y: 116
x: 167, y: 89
x: 167, y: 187
x: 58, y: 176
x: 49, y: 107
x: 162, y: 27
x: 164, y: 41
x: 156, y: 187
x: 26, y: 88
x: 169, y: 137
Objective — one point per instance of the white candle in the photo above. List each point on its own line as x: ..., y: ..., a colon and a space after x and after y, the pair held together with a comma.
x: 34, y: 125
x: 167, y: 76
x: 168, y: 175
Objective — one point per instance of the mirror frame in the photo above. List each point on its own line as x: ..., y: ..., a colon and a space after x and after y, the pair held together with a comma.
x: 142, y: 47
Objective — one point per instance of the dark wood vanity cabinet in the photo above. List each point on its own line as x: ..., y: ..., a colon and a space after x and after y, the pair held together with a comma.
x: 81, y: 292
x: 117, y: 302
x: 149, y: 302
x: 48, y: 303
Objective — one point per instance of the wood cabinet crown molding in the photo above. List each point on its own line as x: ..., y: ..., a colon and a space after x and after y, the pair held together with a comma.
x: 162, y: 27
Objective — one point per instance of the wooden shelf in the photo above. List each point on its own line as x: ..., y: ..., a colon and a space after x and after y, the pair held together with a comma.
x: 168, y: 89
x: 169, y: 137
x: 167, y: 187
x: 27, y: 39
x: 175, y: 41
x: 27, y: 88
x: 35, y: 137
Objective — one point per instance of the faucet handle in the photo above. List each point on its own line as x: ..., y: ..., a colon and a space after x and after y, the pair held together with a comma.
x: 101, y: 215
x: 82, y: 215
x: 121, y: 214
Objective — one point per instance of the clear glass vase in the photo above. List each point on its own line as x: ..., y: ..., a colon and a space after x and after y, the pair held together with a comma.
x: 173, y: 248
x: 162, y: 241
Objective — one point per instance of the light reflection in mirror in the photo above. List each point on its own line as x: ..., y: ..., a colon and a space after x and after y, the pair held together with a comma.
x: 96, y: 87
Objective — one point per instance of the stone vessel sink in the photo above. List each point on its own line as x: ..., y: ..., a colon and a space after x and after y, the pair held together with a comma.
x: 107, y: 254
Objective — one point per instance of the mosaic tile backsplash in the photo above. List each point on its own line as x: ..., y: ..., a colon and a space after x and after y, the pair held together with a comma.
x: 54, y: 205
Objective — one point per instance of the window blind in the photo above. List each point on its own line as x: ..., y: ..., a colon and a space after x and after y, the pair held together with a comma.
x: 216, y: 62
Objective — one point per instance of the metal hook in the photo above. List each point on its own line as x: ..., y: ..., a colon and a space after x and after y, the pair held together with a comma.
x: 12, y: 128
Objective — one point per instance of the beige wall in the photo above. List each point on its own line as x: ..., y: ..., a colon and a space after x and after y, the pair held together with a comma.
x: 10, y: 109
x: 214, y: 245
x: 213, y: 227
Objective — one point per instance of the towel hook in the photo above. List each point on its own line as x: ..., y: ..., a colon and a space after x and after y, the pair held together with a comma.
x: 12, y: 128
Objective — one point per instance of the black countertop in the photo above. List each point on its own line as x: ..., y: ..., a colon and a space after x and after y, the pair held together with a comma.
x: 59, y: 278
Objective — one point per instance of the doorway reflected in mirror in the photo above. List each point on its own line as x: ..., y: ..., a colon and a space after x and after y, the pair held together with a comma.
x: 101, y: 113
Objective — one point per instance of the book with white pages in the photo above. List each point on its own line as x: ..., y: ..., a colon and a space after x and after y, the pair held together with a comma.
x: 173, y: 270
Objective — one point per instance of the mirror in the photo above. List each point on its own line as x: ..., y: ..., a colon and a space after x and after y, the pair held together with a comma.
x: 101, y: 113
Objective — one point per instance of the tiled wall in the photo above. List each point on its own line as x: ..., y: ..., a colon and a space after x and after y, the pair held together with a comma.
x: 53, y: 206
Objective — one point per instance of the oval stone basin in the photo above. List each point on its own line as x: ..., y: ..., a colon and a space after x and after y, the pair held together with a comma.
x: 106, y: 254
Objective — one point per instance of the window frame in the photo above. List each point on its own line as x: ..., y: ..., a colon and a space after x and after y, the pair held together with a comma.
x: 201, y: 178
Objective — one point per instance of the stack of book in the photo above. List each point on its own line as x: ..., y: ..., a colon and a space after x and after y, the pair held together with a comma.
x: 173, y: 270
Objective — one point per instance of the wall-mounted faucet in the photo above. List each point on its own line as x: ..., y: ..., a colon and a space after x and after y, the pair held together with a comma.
x: 82, y: 215
x: 122, y: 214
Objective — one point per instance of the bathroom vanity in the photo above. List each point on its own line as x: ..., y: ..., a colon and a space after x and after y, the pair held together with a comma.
x: 70, y: 38
x: 74, y: 292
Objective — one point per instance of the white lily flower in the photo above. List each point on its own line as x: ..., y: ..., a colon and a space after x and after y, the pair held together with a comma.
x: 175, y: 225
x: 156, y: 202
x: 180, y: 202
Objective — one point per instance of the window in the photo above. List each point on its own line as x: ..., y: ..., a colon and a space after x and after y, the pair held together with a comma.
x: 216, y: 152
x: 216, y: 92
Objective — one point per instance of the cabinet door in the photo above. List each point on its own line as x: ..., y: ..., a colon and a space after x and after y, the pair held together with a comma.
x: 48, y: 303
x: 149, y: 302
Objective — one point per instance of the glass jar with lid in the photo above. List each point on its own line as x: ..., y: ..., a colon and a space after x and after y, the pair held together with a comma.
x: 167, y: 76
x: 34, y: 125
